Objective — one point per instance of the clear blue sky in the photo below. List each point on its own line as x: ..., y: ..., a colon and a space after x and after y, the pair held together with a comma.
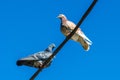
x: 29, y: 26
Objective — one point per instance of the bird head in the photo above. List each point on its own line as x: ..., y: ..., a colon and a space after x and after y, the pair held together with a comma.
x: 61, y: 16
x: 52, y: 45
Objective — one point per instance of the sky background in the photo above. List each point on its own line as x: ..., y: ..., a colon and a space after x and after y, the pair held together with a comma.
x: 29, y: 26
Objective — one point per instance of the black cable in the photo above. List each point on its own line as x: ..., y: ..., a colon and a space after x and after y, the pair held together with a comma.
x: 35, y: 74
x: 66, y: 39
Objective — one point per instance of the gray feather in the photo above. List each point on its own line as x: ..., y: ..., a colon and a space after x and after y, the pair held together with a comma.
x: 36, y: 57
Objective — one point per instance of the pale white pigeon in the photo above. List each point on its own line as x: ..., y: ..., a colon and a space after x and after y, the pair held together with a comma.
x: 67, y: 27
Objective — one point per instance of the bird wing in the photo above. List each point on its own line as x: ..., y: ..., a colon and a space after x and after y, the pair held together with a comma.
x: 38, y: 56
x: 33, y: 56
x: 71, y: 26
x: 30, y: 58
x: 82, y: 35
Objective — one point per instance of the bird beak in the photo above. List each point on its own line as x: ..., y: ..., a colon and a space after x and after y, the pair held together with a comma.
x: 58, y: 17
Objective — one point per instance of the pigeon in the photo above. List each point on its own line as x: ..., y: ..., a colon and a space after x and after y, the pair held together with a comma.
x: 68, y: 26
x: 37, y: 59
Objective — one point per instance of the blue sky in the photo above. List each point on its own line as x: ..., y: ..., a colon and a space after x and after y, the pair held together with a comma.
x: 29, y: 26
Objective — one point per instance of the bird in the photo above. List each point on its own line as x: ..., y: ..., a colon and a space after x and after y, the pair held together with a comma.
x: 37, y: 59
x: 68, y: 26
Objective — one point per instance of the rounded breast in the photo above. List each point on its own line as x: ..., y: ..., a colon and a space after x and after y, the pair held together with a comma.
x: 64, y: 31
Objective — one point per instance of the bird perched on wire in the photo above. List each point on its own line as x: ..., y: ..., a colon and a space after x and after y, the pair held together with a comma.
x: 36, y: 60
x: 67, y: 27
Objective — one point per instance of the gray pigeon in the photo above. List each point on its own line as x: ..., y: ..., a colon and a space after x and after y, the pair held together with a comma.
x: 36, y: 60
x: 67, y: 27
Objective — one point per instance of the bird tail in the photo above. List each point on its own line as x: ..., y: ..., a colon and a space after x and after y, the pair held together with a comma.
x: 20, y: 63
x: 85, y: 42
